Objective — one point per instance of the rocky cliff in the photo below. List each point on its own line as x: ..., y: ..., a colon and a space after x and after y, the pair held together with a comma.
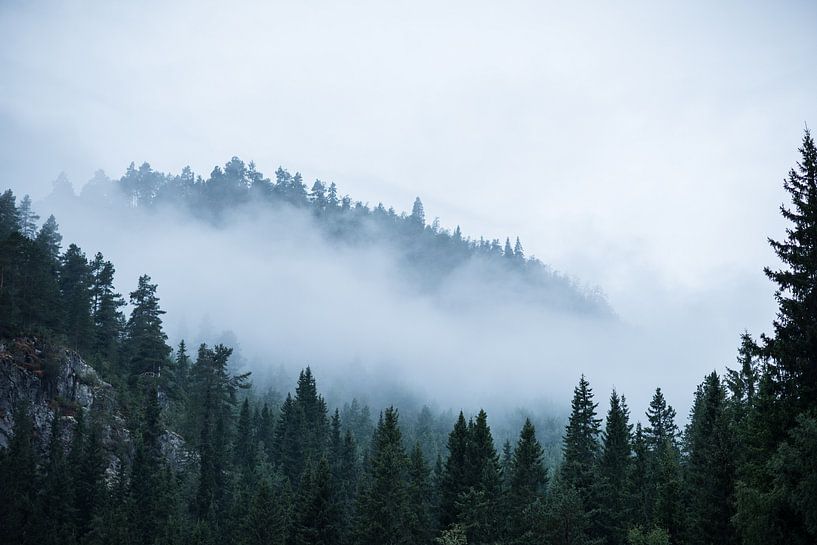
x: 56, y: 382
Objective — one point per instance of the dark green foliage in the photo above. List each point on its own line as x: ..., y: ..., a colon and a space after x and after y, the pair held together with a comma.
x: 75, y: 285
x: 18, y: 481
x: 419, y: 501
x: 148, y: 494
x: 710, y: 469
x: 527, y: 483
x: 317, y: 513
x: 614, y: 469
x: 581, y: 443
x: 145, y: 346
x: 382, y: 504
x: 108, y: 320
x: 56, y: 501
x: 455, y: 474
x: 266, y: 518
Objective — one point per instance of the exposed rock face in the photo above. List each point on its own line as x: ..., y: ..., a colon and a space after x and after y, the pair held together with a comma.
x: 58, y: 383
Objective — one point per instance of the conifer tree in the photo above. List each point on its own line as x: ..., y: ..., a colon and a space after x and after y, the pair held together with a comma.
x: 317, y: 516
x: 27, y: 218
x: 794, y: 346
x: 418, y: 215
x: 614, y: 469
x: 266, y: 520
x: 75, y: 286
x: 662, y: 423
x: 56, y: 501
x: 419, y: 498
x: 18, y: 481
x: 49, y: 238
x: 9, y: 214
x: 508, y: 251
x: 146, y: 346
x: 709, y: 473
x: 640, y: 489
x: 382, y: 508
x: 581, y: 444
x: 148, y: 492
x: 455, y: 473
x: 528, y: 482
x: 182, y: 367
x: 108, y: 320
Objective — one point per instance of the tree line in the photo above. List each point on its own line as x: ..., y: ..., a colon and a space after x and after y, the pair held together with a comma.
x: 742, y: 469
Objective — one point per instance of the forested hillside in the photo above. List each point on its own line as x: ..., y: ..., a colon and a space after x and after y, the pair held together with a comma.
x: 263, y: 470
x: 428, y: 253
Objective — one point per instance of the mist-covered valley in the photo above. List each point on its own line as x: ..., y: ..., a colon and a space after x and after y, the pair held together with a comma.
x: 381, y: 304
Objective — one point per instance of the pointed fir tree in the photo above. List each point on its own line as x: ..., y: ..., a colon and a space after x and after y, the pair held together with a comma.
x: 613, y: 472
x: 528, y: 482
x: 382, y: 506
x: 581, y: 442
x: 146, y: 346
x: 710, y: 471
x: 455, y: 473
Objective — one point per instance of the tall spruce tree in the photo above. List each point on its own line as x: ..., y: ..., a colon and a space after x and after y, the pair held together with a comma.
x: 581, y: 442
x: 613, y: 472
x: 75, y: 287
x: 455, y: 473
x: 709, y: 471
x: 146, y: 346
x: 528, y: 483
x: 382, y: 506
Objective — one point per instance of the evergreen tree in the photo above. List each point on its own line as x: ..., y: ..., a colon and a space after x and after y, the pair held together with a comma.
x: 87, y: 462
x: 75, y: 286
x: 148, y: 495
x: 266, y: 519
x: 581, y: 444
x: 528, y: 482
x: 640, y: 489
x: 508, y: 251
x: 244, y: 455
x: 455, y: 474
x: 794, y: 346
x: 317, y: 516
x: 18, y: 481
x: 182, y: 366
x: 108, y: 320
x: 382, y: 508
x: 518, y: 253
x: 9, y: 214
x: 56, y: 501
x: 614, y: 470
x: 710, y: 467
x: 479, y: 504
x: 27, y: 218
x: 418, y: 215
x: 420, y: 525
x: 662, y: 423
x: 49, y: 238
x: 146, y: 346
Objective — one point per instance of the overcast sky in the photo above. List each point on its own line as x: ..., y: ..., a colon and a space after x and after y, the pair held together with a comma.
x: 639, y: 146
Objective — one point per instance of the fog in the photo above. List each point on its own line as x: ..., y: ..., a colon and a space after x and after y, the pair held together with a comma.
x: 273, y: 284
x: 636, y: 148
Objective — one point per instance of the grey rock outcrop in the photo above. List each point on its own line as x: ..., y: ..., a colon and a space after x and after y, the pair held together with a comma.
x: 58, y: 383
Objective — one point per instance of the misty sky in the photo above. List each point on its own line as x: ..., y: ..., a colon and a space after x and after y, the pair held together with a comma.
x: 640, y: 148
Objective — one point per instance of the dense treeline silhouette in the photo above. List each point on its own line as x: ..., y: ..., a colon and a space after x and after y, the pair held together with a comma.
x: 428, y: 254
x: 742, y: 470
